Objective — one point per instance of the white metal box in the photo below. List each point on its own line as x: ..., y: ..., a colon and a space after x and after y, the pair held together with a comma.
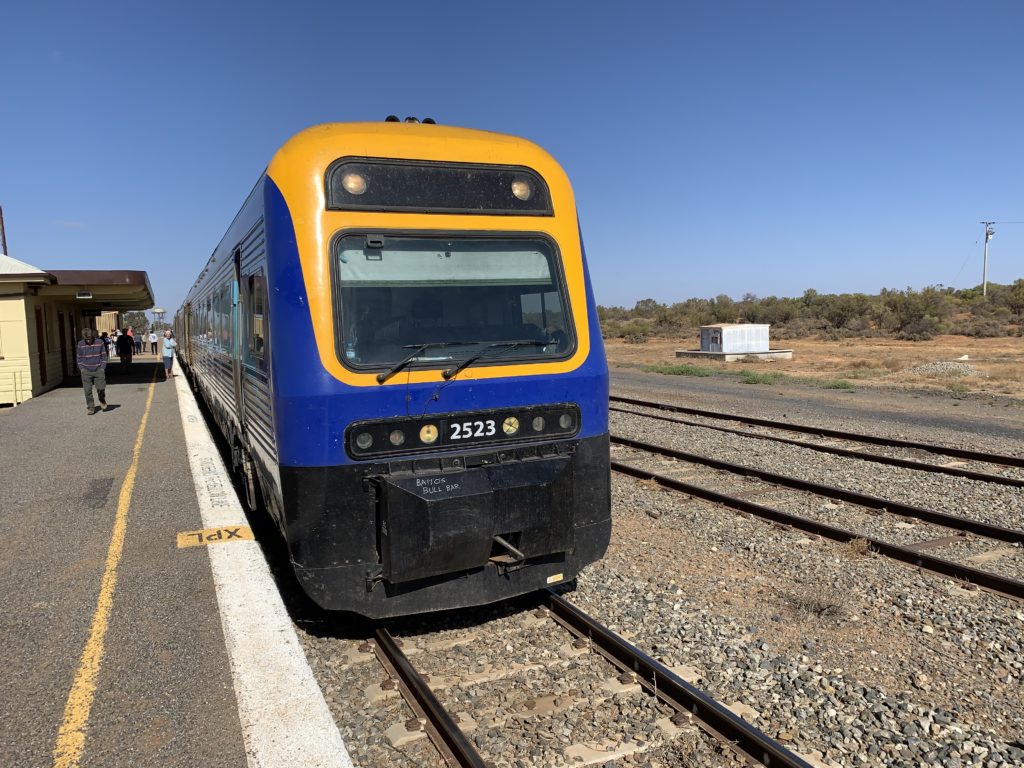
x: 734, y: 338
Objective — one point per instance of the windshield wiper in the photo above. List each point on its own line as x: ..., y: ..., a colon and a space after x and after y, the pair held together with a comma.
x: 505, y: 346
x: 418, y: 349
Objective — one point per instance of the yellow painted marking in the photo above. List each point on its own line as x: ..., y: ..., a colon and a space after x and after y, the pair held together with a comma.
x: 554, y: 579
x: 214, y: 536
x: 71, y: 737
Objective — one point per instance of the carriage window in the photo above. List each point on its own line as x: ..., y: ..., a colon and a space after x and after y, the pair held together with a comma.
x: 395, y: 293
x: 225, y: 317
x: 256, y: 287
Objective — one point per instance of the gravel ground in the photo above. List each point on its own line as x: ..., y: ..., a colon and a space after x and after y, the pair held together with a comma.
x: 988, y: 502
x: 524, y: 694
x: 870, y: 523
x: 925, y: 457
x: 861, y: 659
x: 975, y: 420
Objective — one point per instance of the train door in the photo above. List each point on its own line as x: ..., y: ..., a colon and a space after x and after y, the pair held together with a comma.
x: 185, y: 330
x: 237, y: 336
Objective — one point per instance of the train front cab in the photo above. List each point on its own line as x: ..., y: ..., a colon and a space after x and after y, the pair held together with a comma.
x: 478, y: 469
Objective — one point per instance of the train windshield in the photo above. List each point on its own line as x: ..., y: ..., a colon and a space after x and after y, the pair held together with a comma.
x: 456, y: 295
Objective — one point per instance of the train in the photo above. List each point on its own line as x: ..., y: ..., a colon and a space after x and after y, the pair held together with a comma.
x: 397, y: 338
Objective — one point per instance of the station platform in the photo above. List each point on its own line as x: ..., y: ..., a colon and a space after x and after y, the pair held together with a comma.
x: 129, y: 638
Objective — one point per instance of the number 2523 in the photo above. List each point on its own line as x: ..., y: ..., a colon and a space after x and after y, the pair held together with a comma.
x: 468, y: 429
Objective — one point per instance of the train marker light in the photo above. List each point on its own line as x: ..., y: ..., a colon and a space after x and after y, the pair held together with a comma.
x: 364, y: 440
x: 510, y: 426
x: 354, y: 183
x: 397, y: 437
x: 565, y: 421
x: 428, y: 434
x: 538, y: 423
x: 522, y: 189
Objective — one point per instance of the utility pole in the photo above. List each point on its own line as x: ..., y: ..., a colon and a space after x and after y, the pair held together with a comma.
x: 3, y: 234
x: 984, y: 273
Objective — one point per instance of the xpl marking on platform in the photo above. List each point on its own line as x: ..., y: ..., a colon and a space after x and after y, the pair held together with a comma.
x: 214, y: 536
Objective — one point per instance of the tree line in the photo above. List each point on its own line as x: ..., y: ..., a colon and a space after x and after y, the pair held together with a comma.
x: 904, y: 314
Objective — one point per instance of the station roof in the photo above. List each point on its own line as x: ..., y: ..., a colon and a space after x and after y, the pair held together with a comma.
x: 113, y: 289
x: 12, y: 270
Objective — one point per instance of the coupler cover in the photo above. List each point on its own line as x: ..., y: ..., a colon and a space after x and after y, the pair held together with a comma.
x: 444, y: 522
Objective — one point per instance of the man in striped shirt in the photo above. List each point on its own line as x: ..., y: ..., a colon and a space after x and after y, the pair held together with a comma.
x: 91, y: 358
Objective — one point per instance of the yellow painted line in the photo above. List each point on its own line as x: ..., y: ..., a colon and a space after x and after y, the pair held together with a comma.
x: 214, y: 536
x: 71, y: 737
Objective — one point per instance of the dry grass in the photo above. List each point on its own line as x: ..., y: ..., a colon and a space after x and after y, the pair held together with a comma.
x: 864, y: 362
x: 819, y: 600
x: 856, y: 548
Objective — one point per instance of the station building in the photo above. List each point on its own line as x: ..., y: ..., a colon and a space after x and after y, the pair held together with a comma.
x: 42, y: 314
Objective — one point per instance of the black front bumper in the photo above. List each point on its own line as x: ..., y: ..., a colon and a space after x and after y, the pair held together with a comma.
x: 407, y: 537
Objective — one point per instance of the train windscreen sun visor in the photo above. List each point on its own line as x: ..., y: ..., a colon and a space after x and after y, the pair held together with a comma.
x: 361, y: 184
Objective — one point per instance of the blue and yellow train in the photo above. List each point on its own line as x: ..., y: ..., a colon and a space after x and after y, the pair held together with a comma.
x: 398, y: 338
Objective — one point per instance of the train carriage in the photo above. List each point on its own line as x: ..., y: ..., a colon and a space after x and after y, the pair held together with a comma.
x: 397, y: 336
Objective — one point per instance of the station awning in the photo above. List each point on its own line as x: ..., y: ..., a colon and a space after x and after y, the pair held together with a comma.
x: 106, y: 289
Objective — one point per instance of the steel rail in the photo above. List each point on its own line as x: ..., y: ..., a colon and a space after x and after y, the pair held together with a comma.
x: 987, y: 477
x: 452, y: 738
x: 673, y: 690
x: 955, y: 522
x: 960, y: 453
x: 990, y: 581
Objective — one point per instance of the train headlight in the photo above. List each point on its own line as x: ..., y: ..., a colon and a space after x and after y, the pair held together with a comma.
x: 565, y: 421
x: 510, y: 425
x: 355, y: 183
x: 397, y: 437
x: 538, y: 423
x: 428, y: 434
x: 364, y: 440
x: 522, y: 189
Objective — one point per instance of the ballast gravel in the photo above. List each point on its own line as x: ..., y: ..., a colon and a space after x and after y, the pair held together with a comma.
x: 852, y: 656
x: 997, y: 504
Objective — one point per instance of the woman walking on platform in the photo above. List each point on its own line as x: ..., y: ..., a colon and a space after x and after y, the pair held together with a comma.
x: 169, y: 346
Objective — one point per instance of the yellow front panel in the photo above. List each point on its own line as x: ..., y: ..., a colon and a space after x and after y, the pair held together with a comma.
x: 298, y: 171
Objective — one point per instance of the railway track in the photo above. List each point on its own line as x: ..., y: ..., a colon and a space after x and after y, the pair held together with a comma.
x: 689, y: 703
x: 911, y: 555
x: 962, y: 454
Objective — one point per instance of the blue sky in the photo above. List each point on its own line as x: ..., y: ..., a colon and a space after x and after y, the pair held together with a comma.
x: 715, y: 147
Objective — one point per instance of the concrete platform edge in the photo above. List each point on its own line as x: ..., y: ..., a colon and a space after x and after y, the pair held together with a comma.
x: 285, y: 719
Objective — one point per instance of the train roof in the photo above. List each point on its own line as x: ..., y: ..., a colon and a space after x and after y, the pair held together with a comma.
x: 413, y: 141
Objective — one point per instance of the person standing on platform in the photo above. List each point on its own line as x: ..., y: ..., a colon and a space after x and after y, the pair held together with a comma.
x: 125, y: 349
x: 91, y: 358
x: 139, y: 341
x: 152, y: 342
x: 169, y: 346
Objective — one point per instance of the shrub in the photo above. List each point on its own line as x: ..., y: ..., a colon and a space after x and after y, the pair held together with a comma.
x: 982, y: 328
x: 751, y: 377
x: 683, y: 369
x: 922, y: 329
